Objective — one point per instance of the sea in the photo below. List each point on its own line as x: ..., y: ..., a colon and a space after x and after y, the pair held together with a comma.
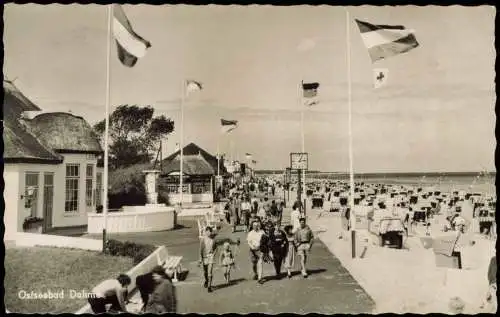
x: 474, y: 183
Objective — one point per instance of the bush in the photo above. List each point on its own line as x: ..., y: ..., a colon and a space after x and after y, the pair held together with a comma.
x: 137, y: 252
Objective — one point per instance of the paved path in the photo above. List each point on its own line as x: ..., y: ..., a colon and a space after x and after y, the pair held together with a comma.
x: 329, y: 289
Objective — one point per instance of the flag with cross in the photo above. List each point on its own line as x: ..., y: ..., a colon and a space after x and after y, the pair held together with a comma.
x: 380, y: 77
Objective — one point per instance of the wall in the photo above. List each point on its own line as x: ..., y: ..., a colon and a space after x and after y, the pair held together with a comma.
x: 33, y: 239
x: 11, y: 197
x: 142, y: 219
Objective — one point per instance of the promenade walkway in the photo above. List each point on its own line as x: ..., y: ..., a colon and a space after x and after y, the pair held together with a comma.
x: 329, y: 289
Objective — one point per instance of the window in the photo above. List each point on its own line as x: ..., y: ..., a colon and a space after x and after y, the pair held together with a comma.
x: 31, y: 193
x: 174, y: 188
x: 201, y: 188
x: 72, y: 187
x: 98, y: 189
x: 88, y: 184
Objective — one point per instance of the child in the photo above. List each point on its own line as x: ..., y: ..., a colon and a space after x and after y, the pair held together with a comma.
x: 227, y: 261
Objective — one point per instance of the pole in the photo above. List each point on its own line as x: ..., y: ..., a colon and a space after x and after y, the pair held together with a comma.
x: 218, y: 157
x: 299, y: 189
x: 161, y: 155
x: 301, y: 103
x: 351, y: 171
x: 181, y: 176
x: 106, y: 130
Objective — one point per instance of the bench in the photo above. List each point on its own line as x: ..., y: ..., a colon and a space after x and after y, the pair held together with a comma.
x: 173, y: 264
x: 170, y: 263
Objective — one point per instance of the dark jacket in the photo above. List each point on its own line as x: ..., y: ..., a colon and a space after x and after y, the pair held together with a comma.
x: 278, y: 243
x: 492, y: 271
x: 163, y: 299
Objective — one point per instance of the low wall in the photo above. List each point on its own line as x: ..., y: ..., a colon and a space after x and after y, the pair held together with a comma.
x: 27, y: 239
x: 146, y: 265
x: 190, y: 198
x: 133, y: 219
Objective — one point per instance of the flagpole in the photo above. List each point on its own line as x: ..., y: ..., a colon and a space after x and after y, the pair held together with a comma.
x: 106, y: 130
x: 181, y: 176
x: 218, y: 156
x: 303, y: 145
x: 349, y: 103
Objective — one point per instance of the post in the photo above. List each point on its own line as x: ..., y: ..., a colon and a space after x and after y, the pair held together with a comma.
x: 161, y: 155
x: 181, y: 176
x: 351, y: 171
x: 303, y: 145
x: 106, y: 130
x: 299, y: 188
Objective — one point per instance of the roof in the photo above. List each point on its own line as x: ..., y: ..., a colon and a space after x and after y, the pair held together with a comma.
x: 20, y: 146
x: 194, y: 150
x: 192, y: 165
x: 65, y: 133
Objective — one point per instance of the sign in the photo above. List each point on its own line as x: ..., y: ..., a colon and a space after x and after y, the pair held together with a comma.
x: 298, y: 161
x: 288, y: 175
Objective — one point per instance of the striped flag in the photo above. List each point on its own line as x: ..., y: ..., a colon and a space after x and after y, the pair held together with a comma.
x: 310, y: 89
x: 228, y: 125
x: 192, y: 86
x: 383, y: 41
x: 130, y: 45
x: 380, y: 77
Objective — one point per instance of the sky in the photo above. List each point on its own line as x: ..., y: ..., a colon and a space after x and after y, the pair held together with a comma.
x: 435, y: 114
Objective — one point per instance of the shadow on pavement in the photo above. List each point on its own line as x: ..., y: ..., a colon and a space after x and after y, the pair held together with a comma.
x: 231, y: 283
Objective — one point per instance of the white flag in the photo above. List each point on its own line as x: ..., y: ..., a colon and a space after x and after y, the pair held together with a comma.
x: 380, y: 77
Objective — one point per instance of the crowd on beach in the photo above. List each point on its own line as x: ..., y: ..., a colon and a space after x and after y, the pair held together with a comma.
x: 253, y: 207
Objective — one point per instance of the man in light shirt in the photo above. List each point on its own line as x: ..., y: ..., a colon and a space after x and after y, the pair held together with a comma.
x: 254, y: 239
x: 112, y: 291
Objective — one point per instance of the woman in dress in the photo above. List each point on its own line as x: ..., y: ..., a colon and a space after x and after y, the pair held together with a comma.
x: 291, y: 250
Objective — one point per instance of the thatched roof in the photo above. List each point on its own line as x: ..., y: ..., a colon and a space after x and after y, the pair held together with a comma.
x: 194, y: 150
x: 192, y: 165
x: 21, y: 146
x: 14, y: 101
x: 65, y: 133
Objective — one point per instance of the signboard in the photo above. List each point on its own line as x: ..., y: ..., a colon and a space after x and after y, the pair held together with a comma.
x: 298, y: 161
x: 288, y: 175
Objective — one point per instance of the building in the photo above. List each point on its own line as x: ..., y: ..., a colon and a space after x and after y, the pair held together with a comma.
x: 50, y: 166
x: 199, y: 172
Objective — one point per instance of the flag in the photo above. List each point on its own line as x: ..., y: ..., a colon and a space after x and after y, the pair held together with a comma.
x: 248, y: 156
x: 228, y: 125
x: 192, y: 86
x: 311, y: 103
x: 254, y: 162
x: 310, y: 89
x: 383, y: 41
x: 380, y: 77
x: 130, y: 45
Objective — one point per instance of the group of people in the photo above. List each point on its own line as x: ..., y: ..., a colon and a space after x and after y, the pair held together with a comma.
x: 267, y: 239
x: 156, y: 289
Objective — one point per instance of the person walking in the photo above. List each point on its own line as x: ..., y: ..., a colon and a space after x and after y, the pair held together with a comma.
x: 291, y: 250
x: 278, y: 246
x: 245, y: 212
x: 295, y: 217
x: 227, y: 261
x: 112, y: 291
x: 163, y: 299
x: 304, y: 239
x: 254, y: 239
x: 208, y: 250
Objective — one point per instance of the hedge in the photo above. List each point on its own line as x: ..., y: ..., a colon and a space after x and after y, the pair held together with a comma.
x: 136, y: 251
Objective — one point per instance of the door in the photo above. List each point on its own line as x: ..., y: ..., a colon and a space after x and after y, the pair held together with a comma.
x: 48, y: 200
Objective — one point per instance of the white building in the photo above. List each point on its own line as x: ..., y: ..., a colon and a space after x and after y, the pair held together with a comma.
x: 50, y: 166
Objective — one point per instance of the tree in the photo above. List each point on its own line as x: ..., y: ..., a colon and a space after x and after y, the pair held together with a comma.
x: 134, y: 134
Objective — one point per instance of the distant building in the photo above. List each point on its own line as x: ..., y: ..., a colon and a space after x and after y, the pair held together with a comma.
x: 199, y: 171
x: 50, y: 165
